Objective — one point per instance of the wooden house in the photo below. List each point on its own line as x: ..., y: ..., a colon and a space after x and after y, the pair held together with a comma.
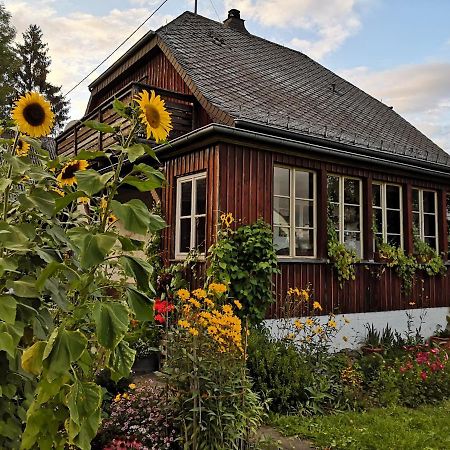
x: 261, y: 130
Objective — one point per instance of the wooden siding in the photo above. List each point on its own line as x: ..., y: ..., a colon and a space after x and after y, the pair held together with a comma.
x: 246, y: 180
x: 155, y: 70
x: 202, y: 160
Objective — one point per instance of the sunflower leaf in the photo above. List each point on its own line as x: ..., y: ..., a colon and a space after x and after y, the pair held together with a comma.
x: 140, y: 304
x: 121, y: 109
x: 62, y: 202
x: 89, y: 154
x: 135, y: 151
x: 134, y: 215
x: 91, y: 182
x: 99, y: 126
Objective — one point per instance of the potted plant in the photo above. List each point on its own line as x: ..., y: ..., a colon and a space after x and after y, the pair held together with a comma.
x: 146, y: 343
x: 441, y: 336
x: 372, y: 340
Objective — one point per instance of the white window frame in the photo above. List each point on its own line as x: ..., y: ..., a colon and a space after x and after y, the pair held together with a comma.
x: 193, y: 216
x: 292, y: 198
x: 447, y: 218
x: 422, y: 213
x: 341, y: 231
x: 384, y: 210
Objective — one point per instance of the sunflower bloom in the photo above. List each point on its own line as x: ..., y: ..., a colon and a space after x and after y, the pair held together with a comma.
x: 33, y: 115
x: 67, y: 175
x: 22, y: 148
x: 154, y: 115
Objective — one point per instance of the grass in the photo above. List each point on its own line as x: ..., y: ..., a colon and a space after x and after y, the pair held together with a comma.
x: 394, y: 428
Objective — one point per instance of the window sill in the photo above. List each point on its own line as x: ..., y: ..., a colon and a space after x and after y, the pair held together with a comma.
x: 181, y: 258
x: 287, y: 259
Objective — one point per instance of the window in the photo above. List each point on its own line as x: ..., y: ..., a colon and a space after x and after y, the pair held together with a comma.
x: 387, y: 214
x: 294, y: 212
x: 190, y: 229
x: 424, y: 209
x: 344, y: 197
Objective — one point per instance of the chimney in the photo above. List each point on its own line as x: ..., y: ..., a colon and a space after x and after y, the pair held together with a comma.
x: 234, y: 21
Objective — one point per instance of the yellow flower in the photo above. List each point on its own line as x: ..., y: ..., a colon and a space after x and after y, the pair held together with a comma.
x: 318, y: 330
x: 212, y: 329
x: 22, y: 147
x: 332, y: 324
x: 299, y: 325
x: 227, y: 219
x: 154, y: 115
x: 58, y: 191
x: 217, y: 288
x: 183, y: 294
x: 111, y: 219
x: 84, y: 200
x: 103, y: 203
x: 183, y: 324
x: 199, y: 293
x: 33, y: 115
x: 117, y: 398
x: 67, y: 175
x: 317, y: 305
x: 125, y: 396
x: 195, y: 302
x: 309, y: 321
x: 305, y: 294
x: 209, y: 302
x: 132, y: 386
x: 193, y: 331
x: 227, y: 309
x: 238, y: 304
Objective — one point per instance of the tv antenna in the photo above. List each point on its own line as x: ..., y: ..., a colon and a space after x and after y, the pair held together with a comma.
x: 195, y: 7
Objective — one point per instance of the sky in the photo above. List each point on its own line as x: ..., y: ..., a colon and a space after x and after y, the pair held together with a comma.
x: 397, y: 51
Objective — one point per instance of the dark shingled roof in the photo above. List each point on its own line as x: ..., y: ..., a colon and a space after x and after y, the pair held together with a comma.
x: 251, y: 78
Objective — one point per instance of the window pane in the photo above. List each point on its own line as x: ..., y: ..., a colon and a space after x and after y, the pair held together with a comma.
x: 333, y: 189
x: 353, y: 241
x: 281, y: 212
x: 416, y: 222
x: 186, y: 198
x: 333, y: 211
x: 304, y: 184
x: 200, y: 234
x: 281, y: 181
x: 304, y: 213
x: 448, y: 222
x: 429, y: 223
x: 185, y: 235
x: 304, y: 242
x: 429, y: 202
x: 201, y: 196
x: 378, y: 221
x: 392, y: 196
x: 376, y: 195
x: 415, y: 200
x: 351, y: 191
x: 281, y: 240
x: 431, y: 242
x: 394, y: 239
x: 393, y: 222
x: 351, y: 218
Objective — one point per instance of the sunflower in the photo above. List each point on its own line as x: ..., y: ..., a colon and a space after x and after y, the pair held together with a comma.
x: 33, y: 115
x: 67, y: 175
x: 154, y: 115
x: 111, y: 219
x: 22, y: 148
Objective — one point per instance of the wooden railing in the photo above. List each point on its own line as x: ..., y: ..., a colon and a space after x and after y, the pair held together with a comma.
x: 78, y: 137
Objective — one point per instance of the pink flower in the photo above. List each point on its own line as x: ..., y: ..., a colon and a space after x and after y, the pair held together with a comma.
x: 422, y: 357
x: 423, y: 375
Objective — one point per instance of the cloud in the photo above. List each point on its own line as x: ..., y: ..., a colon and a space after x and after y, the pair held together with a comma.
x: 330, y: 22
x: 79, y: 41
x: 419, y: 92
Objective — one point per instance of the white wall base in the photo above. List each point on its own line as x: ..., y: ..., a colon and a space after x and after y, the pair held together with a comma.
x: 355, y: 331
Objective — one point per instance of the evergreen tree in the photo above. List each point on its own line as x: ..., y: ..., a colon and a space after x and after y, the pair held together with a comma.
x: 8, y: 61
x: 33, y: 71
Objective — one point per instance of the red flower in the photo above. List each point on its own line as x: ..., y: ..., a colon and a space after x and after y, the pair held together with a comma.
x: 159, y: 318
x: 423, y: 375
x: 163, y: 306
x: 422, y: 357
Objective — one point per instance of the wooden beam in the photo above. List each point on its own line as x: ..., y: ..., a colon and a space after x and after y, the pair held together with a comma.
x: 322, y: 214
x: 367, y: 227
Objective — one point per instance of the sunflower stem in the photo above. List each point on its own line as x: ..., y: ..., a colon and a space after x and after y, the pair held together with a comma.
x: 8, y: 188
x: 115, y: 183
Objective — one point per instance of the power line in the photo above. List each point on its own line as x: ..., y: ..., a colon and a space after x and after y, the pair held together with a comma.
x: 214, y: 7
x: 117, y: 48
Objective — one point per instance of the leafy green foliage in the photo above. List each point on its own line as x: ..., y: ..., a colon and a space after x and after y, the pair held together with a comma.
x: 70, y: 285
x: 246, y: 260
x: 343, y: 259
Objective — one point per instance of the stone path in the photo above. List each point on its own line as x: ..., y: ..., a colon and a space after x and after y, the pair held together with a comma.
x: 271, y: 439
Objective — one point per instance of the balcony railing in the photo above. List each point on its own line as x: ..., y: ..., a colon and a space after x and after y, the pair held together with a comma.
x: 78, y: 137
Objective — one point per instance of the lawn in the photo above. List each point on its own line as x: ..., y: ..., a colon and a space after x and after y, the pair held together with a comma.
x: 424, y: 428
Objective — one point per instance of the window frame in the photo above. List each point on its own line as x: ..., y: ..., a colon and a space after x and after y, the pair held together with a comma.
x: 342, y: 204
x: 422, y: 213
x: 292, y: 198
x: 447, y: 220
x: 193, y: 216
x: 384, y: 210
